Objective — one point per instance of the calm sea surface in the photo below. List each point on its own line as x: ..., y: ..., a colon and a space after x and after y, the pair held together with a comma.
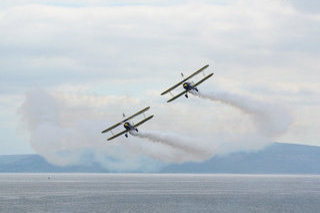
x: 158, y: 193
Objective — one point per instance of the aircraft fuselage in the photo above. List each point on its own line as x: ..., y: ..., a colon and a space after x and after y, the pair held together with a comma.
x: 129, y: 127
x: 188, y: 87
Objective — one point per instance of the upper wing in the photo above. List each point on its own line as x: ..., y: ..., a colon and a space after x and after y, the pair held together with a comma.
x: 202, y: 80
x: 125, y: 131
x: 144, y: 120
x: 134, y: 115
x: 117, y: 135
x: 130, y: 117
x: 181, y: 82
x: 177, y: 96
x: 112, y: 127
x: 196, y: 84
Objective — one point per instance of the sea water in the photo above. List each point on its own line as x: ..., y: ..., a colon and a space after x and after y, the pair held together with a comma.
x: 159, y: 193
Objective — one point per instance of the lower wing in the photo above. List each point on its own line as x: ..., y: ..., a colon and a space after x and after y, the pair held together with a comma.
x: 112, y: 127
x: 181, y: 82
x: 177, y: 96
x: 144, y: 120
x: 117, y: 135
x: 125, y: 131
x: 202, y: 80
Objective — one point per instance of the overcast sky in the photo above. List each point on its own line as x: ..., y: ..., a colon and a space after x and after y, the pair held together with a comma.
x: 94, y: 52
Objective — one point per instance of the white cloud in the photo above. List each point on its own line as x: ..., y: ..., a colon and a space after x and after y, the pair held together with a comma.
x: 268, y: 49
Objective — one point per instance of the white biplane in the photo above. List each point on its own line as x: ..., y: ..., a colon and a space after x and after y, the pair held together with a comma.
x: 187, y: 86
x: 130, y: 127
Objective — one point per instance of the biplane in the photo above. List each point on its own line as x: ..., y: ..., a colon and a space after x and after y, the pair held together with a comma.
x: 130, y: 127
x: 188, y: 86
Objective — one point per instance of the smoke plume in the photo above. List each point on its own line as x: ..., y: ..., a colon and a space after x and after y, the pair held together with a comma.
x: 192, y: 150
x: 271, y: 120
x: 66, y: 130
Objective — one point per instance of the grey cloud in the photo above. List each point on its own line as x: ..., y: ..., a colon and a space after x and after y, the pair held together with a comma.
x: 312, y: 6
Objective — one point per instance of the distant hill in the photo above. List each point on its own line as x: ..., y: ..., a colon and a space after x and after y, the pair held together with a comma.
x: 278, y: 158
x: 36, y: 163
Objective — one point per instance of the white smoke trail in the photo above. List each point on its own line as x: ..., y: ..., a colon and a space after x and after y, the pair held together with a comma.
x: 197, y: 151
x: 271, y: 119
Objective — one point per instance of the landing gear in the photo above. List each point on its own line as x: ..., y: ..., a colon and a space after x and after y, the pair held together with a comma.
x: 137, y: 130
x: 186, y: 95
x: 196, y: 89
x: 126, y: 135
